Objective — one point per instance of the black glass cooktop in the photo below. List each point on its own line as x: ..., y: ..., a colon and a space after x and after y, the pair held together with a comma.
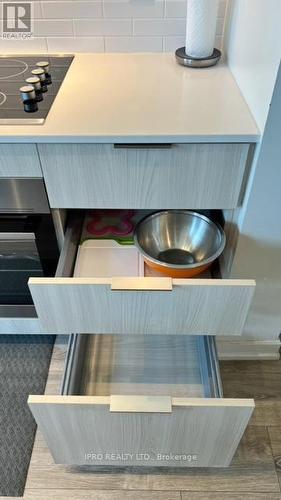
x: 14, y: 70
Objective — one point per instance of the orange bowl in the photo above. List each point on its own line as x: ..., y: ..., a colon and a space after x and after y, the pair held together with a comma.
x: 177, y: 273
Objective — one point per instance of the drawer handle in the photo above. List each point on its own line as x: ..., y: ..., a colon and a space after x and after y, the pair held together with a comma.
x: 142, y: 284
x: 141, y: 404
x: 143, y: 146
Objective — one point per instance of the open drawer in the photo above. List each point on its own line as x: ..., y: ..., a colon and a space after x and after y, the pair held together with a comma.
x: 143, y: 400
x: 137, y: 305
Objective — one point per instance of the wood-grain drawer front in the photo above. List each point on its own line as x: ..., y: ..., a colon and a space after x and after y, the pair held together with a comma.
x: 19, y: 160
x: 81, y: 430
x: 198, y: 176
x: 188, y: 306
x: 20, y: 326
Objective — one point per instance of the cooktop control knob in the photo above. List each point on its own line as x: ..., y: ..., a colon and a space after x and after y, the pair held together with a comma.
x: 45, y: 65
x: 40, y: 73
x: 27, y: 93
x: 35, y: 82
x: 28, y: 96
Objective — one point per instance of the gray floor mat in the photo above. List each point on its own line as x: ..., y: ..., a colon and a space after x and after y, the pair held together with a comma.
x: 24, y: 364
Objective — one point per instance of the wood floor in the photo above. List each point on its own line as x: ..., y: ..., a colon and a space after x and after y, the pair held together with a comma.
x: 255, y: 473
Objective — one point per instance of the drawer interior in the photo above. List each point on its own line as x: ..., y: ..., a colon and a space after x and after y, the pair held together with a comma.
x: 87, y: 252
x: 136, y: 304
x: 148, y: 365
x: 148, y: 397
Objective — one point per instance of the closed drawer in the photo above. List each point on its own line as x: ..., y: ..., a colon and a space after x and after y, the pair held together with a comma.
x: 137, y: 305
x: 199, y: 176
x: 19, y: 160
x: 21, y: 320
x: 153, y: 401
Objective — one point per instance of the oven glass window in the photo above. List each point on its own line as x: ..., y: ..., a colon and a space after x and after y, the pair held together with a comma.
x: 19, y: 260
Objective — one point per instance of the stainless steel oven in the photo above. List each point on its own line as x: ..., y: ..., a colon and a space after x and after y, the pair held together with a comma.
x: 28, y: 248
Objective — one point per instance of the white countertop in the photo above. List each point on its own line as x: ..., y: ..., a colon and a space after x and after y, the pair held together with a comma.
x: 142, y: 98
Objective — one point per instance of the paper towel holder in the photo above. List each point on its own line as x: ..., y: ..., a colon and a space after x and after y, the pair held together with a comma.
x: 192, y: 62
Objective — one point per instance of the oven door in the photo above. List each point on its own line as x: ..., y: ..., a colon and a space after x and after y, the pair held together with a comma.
x: 19, y: 259
x: 24, y: 254
x: 28, y: 248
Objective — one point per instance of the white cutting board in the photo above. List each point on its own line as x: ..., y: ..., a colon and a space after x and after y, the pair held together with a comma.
x: 106, y: 259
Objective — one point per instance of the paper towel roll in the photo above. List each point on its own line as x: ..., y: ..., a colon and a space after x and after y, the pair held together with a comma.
x: 201, y: 27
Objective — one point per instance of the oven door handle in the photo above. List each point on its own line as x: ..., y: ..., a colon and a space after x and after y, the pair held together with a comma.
x: 17, y: 236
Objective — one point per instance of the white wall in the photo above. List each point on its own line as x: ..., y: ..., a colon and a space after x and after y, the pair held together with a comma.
x: 253, y: 51
x: 253, y: 48
x: 108, y: 25
x: 258, y: 252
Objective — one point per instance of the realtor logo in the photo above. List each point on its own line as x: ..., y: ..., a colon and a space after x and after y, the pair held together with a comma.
x: 17, y: 18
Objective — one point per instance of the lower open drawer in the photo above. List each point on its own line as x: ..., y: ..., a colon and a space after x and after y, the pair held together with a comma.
x: 143, y: 400
x: 136, y: 305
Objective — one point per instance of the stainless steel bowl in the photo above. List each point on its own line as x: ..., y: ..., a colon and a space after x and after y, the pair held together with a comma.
x: 179, y: 243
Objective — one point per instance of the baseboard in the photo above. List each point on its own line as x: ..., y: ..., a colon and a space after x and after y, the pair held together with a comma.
x: 248, y: 349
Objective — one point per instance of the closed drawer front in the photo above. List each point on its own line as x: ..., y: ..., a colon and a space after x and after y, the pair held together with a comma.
x: 19, y: 160
x: 162, y: 412
x: 183, y: 176
x: 140, y: 305
x: 20, y: 326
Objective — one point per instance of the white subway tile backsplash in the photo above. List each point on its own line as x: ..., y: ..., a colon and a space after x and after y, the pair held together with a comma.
x: 27, y: 46
x: 159, y: 27
x: 133, y: 8
x: 71, y: 9
x: 92, y: 27
x: 72, y: 44
x: 133, y: 44
x: 176, y: 8
x: 37, y: 10
x: 108, y: 25
x: 54, y: 27
x: 171, y: 43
